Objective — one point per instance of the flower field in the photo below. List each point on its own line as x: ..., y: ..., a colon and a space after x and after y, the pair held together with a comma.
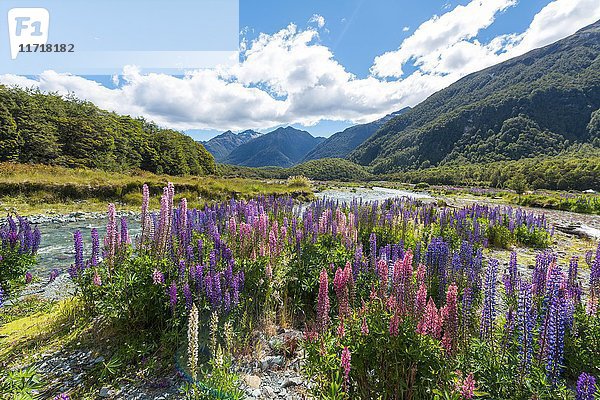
x: 397, y: 299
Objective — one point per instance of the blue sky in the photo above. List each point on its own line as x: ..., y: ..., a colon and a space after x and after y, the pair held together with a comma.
x: 325, y: 65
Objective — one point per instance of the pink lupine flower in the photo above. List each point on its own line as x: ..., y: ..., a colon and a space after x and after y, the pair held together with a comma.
x: 274, y: 242
x: 345, y: 364
x: 394, y: 324
x: 467, y: 389
x: 391, y: 303
x: 402, y: 276
x: 269, y: 272
x: 373, y: 293
x: 340, y: 285
x: 364, y: 328
x: 311, y: 336
x: 233, y: 227
x: 323, y: 302
x: 341, y: 330
x: 382, y: 272
x: 430, y: 323
x: 420, y: 301
x: 263, y: 224
x: 157, y: 277
x: 397, y: 274
x: 449, y: 315
x: 97, y: 279
x: 283, y: 235
x: 349, y: 280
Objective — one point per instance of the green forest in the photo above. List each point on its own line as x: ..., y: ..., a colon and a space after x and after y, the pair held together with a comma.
x: 64, y: 131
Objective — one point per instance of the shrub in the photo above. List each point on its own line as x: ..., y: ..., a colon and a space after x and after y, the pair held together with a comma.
x: 298, y: 181
x: 19, y: 243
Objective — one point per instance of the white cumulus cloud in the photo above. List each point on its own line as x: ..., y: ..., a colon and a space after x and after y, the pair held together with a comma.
x: 317, y: 19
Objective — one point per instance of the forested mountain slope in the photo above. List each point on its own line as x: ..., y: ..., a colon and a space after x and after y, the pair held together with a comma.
x: 536, y: 104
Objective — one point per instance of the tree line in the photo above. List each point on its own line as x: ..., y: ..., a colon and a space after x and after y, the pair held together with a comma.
x: 55, y: 130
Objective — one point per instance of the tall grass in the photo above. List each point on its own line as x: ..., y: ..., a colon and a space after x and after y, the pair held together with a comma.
x: 29, y: 188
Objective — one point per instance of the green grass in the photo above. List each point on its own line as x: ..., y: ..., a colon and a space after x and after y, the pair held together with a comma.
x: 36, y: 189
x: 34, y: 327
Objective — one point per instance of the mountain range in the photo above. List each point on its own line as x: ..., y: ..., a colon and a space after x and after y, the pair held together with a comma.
x: 340, y: 144
x: 222, y: 145
x: 283, y: 147
x: 539, y: 103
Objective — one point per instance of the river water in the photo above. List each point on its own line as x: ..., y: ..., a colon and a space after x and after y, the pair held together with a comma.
x: 56, y: 248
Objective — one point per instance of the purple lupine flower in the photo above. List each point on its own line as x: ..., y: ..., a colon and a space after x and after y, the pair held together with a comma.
x: 466, y: 309
x: 28, y: 277
x: 95, y: 247
x: 37, y: 238
x: 553, y: 321
x: 78, y: 243
x: 187, y: 294
x: 1, y: 296
x: 373, y: 249
x: 573, y: 289
x: 437, y: 258
x: 208, y: 284
x: 588, y: 257
x: 182, y: 269
x: 53, y: 275
x: 125, y: 240
x: 110, y: 240
x: 199, y: 277
x: 510, y: 279
x: 217, y: 290
x: 227, y: 301
x: 145, y: 217
x: 488, y: 312
x: 173, y: 295
x: 525, y: 324
x: 586, y: 387
x: 62, y: 396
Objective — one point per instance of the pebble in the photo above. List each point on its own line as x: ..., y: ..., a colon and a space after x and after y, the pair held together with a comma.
x: 253, y: 381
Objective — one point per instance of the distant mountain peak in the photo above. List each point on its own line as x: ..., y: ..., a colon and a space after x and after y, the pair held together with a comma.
x: 222, y: 145
x: 283, y: 147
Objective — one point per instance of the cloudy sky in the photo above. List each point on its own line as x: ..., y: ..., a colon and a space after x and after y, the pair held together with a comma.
x: 323, y: 66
